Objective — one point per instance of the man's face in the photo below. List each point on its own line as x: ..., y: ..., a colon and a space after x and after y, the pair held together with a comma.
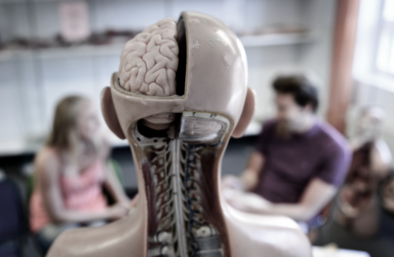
x: 289, y: 114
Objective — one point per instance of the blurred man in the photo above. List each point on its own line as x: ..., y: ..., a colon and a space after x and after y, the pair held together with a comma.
x: 299, y: 160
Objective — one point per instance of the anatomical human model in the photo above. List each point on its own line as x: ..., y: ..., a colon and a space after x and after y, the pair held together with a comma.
x: 358, y: 204
x: 179, y: 95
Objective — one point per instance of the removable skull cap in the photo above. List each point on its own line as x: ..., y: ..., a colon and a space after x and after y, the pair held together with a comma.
x: 215, y: 77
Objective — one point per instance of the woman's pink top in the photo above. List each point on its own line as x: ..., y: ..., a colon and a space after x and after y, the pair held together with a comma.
x: 82, y: 193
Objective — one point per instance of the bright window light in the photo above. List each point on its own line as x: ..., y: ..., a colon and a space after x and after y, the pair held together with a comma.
x: 388, y: 12
x: 385, y: 47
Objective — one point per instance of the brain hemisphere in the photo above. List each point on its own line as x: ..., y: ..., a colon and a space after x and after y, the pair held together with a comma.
x: 149, y: 61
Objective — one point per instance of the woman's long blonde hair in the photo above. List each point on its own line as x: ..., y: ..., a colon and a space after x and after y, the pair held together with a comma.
x: 64, y: 133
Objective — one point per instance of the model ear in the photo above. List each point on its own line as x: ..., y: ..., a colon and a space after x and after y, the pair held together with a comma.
x: 247, y: 114
x: 109, y: 112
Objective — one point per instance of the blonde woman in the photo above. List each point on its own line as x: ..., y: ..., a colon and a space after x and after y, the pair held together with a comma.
x: 70, y: 172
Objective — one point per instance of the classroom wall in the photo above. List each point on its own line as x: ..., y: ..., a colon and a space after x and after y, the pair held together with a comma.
x: 31, y: 82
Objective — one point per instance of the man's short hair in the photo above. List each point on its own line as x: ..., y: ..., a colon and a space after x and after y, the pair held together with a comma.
x: 300, y: 87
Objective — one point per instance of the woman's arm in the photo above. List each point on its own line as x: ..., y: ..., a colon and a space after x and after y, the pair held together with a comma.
x: 48, y: 173
x: 112, y: 183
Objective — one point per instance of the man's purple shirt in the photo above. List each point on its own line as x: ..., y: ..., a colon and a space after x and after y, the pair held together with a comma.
x: 290, y: 164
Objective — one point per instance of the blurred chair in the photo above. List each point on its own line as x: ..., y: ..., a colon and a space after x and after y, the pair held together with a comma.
x: 13, y: 221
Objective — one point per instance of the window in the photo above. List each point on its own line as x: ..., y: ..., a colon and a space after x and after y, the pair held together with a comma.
x: 385, y: 47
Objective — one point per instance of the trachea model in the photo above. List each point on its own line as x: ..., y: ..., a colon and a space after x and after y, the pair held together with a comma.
x: 180, y: 94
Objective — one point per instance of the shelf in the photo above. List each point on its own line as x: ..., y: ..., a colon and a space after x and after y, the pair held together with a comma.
x: 42, y: 1
x: 115, y: 49
x: 276, y: 39
x: 30, y: 1
x: 80, y: 51
x: 13, y: 2
x: 61, y: 52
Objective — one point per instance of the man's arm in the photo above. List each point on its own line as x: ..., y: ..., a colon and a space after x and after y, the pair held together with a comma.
x: 250, y: 175
x: 316, y: 195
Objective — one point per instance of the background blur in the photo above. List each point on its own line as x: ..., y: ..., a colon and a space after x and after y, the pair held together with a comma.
x: 53, y: 48
x: 38, y: 66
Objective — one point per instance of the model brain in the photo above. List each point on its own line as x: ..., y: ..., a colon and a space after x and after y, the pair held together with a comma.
x: 149, y: 61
